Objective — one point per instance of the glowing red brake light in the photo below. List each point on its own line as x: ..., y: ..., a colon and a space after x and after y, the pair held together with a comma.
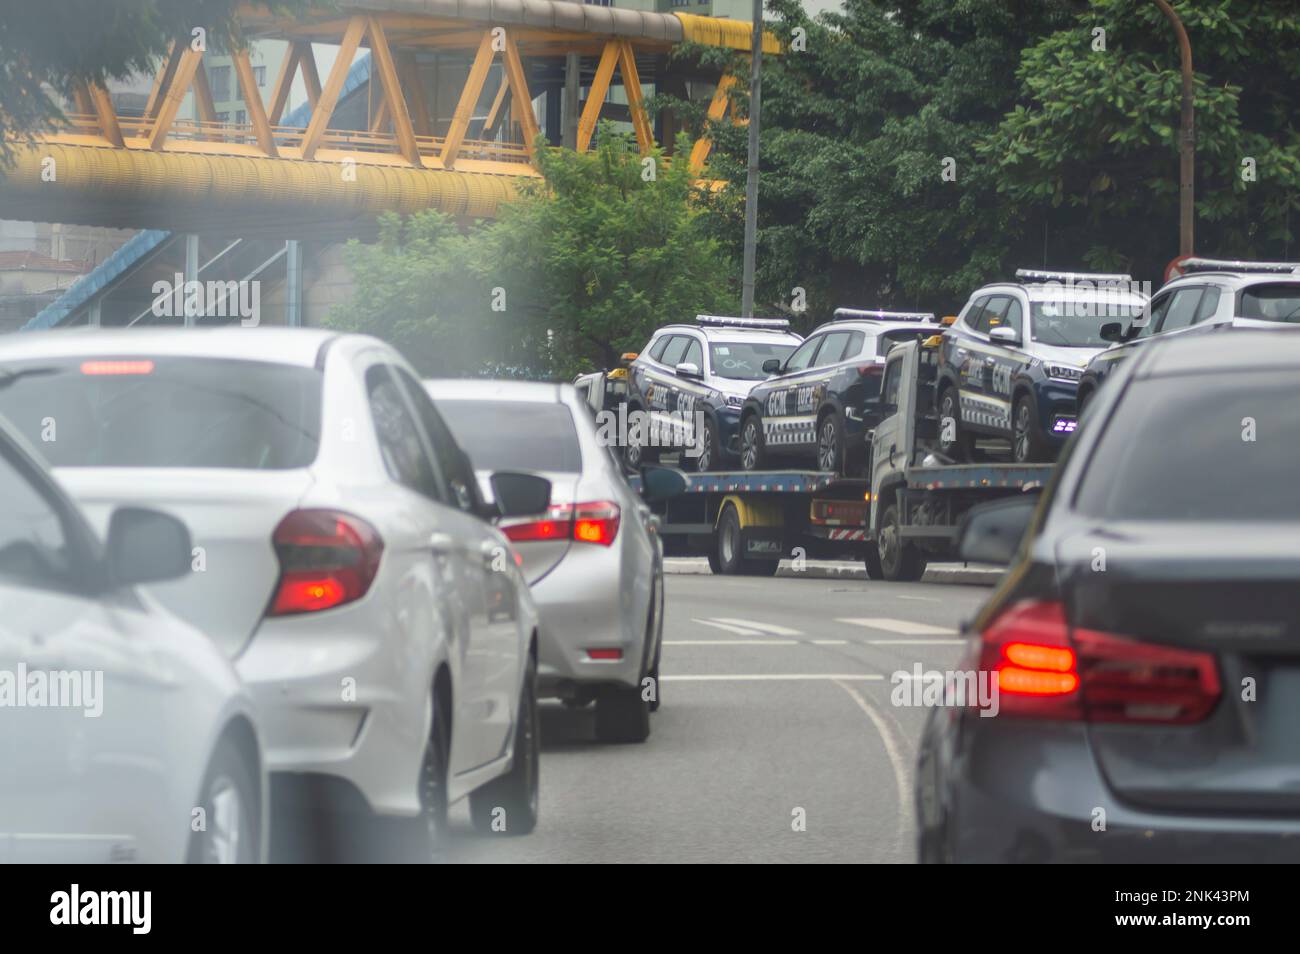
x: 327, y: 559
x: 117, y: 367
x: 594, y: 522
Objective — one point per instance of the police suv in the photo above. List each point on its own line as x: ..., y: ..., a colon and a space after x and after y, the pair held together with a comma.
x: 1208, y: 295
x: 1010, y: 364
x: 690, y: 381
x: 823, y: 401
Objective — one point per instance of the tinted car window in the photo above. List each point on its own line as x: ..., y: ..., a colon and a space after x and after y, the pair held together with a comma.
x: 33, y: 543
x: 832, y: 348
x: 1208, y: 306
x: 450, y: 459
x: 672, y: 354
x: 657, y: 348
x: 694, y: 354
x: 972, y: 319
x: 803, y: 356
x: 165, y: 412
x: 515, y: 435
x: 888, y: 339
x: 1226, y: 448
x: 1271, y: 303
x: 399, y: 437
x: 1182, y: 309
x: 1015, y: 317
x: 994, y: 313
x: 743, y: 360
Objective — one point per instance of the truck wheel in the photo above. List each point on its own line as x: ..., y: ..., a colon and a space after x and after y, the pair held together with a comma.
x: 727, y: 543
x: 1027, y: 444
x: 872, y: 561
x: 900, y: 562
x: 752, y: 454
x: 830, y: 443
x: 961, y: 446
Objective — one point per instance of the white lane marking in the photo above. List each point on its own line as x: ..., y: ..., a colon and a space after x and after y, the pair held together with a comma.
x: 896, y: 758
x: 731, y: 642
x: 738, y: 630
x: 775, y: 677
x: 761, y: 627
x: 905, y: 627
x: 830, y: 642
x: 921, y: 599
x: 916, y: 642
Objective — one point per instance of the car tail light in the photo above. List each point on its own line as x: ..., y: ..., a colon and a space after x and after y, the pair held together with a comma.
x: 605, y: 654
x: 117, y: 367
x: 593, y: 522
x: 1045, y: 670
x: 327, y: 558
x: 874, y: 370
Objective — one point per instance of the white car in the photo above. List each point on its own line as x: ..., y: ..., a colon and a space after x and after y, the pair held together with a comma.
x: 124, y: 733
x: 344, y: 556
x: 594, y: 560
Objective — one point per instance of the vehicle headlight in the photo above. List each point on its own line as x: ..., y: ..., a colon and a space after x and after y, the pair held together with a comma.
x: 735, y: 400
x: 1064, y: 372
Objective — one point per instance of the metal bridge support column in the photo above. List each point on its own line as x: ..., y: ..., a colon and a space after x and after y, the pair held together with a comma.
x: 193, y: 302
x: 293, y: 283
x: 571, y: 106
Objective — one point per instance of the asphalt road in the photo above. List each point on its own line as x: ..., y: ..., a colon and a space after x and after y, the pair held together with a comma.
x: 776, y: 706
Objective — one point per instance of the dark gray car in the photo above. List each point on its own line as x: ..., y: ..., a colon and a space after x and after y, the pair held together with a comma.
x: 1147, y: 634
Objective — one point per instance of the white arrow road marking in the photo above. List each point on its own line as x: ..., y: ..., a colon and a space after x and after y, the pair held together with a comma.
x: 904, y: 627
x: 738, y: 630
x: 761, y: 627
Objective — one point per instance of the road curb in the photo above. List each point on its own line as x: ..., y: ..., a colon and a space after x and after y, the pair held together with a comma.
x: 954, y: 573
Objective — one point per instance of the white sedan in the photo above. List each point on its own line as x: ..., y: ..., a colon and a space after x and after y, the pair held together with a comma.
x: 124, y: 733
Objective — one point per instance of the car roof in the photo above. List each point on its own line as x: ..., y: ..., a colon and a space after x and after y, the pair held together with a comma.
x: 726, y: 333
x: 494, y: 389
x: 1036, y: 291
x: 875, y: 326
x: 1245, y: 350
x: 1233, y: 280
x: 277, y: 345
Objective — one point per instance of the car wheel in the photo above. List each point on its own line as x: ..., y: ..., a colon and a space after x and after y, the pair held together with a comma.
x: 635, y: 453
x: 434, y: 771
x: 710, y: 449
x: 752, y: 454
x: 899, y: 561
x: 657, y: 634
x: 830, y: 443
x: 962, y: 445
x: 229, y: 799
x: 1027, y: 445
x: 516, y: 792
x: 622, y: 715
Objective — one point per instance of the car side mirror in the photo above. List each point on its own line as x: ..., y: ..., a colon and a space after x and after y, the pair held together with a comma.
x: 772, y: 366
x: 147, y: 546
x: 661, y: 483
x: 992, y: 532
x: 1112, y: 331
x: 1004, y: 334
x: 688, y: 369
x: 519, y: 494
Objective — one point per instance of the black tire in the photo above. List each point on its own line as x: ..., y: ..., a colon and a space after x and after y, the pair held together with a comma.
x: 872, y: 562
x: 635, y: 455
x: 622, y: 715
x: 1027, y: 444
x: 752, y: 567
x: 962, y: 446
x: 753, y: 456
x: 434, y: 772
x: 830, y: 443
x: 516, y: 792
x: 230, y: 799
x: 727, y: 545
x: 710, y: 450
x: 715, y: 564
x: 657, y: 634
x: 899, y: 562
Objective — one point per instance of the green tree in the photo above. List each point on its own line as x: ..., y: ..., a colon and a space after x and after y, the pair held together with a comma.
x: 53, y: 44
x: 1093, y: 145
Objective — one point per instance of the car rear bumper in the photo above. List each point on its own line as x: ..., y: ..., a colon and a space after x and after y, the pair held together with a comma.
x: 1022, y: 792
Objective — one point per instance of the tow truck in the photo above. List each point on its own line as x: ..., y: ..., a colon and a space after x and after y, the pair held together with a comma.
x: 905, y: 515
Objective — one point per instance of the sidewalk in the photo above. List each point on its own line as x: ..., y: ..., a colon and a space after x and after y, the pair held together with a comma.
x: 974, y: 574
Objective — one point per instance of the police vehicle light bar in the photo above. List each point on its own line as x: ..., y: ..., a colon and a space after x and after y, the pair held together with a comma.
x: 1226, y: 265
x: 722, y: 321
x: 1036, y: 276
x: 858, y: 313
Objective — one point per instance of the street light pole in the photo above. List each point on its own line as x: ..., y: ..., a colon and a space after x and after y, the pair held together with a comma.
x: 1187, y: 138
x: 751, y: 177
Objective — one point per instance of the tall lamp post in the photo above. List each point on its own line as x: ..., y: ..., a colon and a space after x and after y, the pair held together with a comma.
x: 751, y: 176
x: 1187, y: 138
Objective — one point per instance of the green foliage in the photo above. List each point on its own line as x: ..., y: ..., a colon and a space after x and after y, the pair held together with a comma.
x: 55, y: 43
x: 588, y: 261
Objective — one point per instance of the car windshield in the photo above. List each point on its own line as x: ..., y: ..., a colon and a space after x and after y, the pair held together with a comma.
x: 165, y: 412
x: 1176, y: 452
x: 743, y: 360
x: 1271, y: 303
x: 515, y: 435
x: 1077, y: 323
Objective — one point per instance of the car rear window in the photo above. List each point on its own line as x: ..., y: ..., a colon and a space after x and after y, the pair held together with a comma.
x: 142, y: 411
x: 1225, y: 447
x: 887, y: 339
x: 1271, y: 303
x: 515, y: 435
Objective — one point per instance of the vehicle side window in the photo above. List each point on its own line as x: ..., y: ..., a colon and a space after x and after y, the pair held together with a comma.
x: 34, y: 547
x: 399, y: 436
x: 1208, y: 306
x: 657, y: 347
x: 1159, y: 305
x: 456, y: 467
x: 1182, y: 308
x: 994, y: 314
x: 889, y: 390
x: 833, y: 348
x: 1015, y: 317
x: 672, y: 355
x: 694, y: 354
x: 973, y: 316
x: 803, y: 356
x: 854, y: 348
